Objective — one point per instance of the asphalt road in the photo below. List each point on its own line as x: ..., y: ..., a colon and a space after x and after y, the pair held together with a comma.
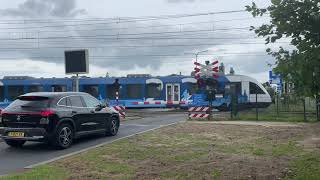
x: 15, y: 160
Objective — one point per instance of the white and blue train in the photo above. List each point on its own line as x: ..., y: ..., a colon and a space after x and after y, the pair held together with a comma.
x: 144, y: 91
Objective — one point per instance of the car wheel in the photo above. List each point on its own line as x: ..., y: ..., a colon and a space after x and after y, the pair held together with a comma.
x: 112, y: 127
x: 15, y: 143
x: 64, y: 136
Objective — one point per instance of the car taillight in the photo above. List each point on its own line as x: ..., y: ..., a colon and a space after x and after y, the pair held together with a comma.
x: 45, y: 116
x: 47, y: 113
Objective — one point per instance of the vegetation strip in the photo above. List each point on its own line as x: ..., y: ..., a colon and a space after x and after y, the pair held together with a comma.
x: 194, y: 150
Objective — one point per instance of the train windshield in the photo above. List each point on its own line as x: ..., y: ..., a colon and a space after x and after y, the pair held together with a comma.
x: 255, y: 89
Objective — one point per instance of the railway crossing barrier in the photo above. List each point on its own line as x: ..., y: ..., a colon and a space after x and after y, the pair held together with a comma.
x: 167, y: 103
x: 200, y: 112
x: 121, y: 111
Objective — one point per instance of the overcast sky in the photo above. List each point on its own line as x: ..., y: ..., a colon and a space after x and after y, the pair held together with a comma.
x: 123, y: 36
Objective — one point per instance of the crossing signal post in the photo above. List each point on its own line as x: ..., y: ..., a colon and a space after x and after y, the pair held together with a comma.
x: 206, y: 75
x: 208, y: 70
x: 116, y: 86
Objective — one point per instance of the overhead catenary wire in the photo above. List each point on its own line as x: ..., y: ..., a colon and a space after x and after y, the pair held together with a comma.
x: 132, y: 46
x: 165, y: 35
x: 128, y: 34
x: 127, y: 19
x: 118, y: 28
x: 140, y: 55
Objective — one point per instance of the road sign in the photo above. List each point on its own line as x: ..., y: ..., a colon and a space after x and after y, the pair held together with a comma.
x: 207, y: 70
x: 277, y: 80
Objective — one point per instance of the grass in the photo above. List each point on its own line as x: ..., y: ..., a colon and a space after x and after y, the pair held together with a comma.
x: 190, y: 151
x: 273, y: 117
x: 306, y: 167
x: 216, y: 174
x: 47, y: 172
x: 292, y: 114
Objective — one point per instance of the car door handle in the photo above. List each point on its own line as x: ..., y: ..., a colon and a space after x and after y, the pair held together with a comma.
x: 92, y: 111
x: 74, y: 112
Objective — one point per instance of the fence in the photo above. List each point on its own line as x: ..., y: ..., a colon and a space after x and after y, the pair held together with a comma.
x: 282, y: 109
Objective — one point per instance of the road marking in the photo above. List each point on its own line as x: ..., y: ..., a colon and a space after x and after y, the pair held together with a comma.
x: 142, y: 125
x: 96, y: 146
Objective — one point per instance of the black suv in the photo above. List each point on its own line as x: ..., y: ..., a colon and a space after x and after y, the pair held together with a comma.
x: 57, y: 118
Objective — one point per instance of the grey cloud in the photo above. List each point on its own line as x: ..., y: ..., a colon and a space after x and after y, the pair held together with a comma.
x: 180, y: 1
x: 110, y: 47
x: 44, y: 8
x: 188, y: 1
x: 120, y: 47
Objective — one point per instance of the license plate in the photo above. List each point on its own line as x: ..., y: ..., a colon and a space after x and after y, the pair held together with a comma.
x: 16, y: 134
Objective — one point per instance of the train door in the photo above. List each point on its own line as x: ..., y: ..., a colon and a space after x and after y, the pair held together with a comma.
x: 173, y: 92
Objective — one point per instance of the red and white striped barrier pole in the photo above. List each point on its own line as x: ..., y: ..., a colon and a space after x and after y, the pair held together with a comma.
x: 160, y: 102
x: 121, y: 111
x: 199, y: 112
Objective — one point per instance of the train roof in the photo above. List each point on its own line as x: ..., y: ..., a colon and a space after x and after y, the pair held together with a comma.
x: 122, y: 80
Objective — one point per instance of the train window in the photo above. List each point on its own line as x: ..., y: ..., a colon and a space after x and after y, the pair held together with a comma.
x: 134, y: 91
x: 15, y: 91
x: 35, y: 88
x: 192, y: 88
x: 153, y: 90
x: 1, y: 93
x: 91, y: 89
x: 233, y: 88
x: 111, y: 91
x: 255, y: 89
x: 58, y: 88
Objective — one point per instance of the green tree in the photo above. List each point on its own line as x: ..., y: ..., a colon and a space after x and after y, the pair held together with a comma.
x: 270, y: 90
x: 298, y: 21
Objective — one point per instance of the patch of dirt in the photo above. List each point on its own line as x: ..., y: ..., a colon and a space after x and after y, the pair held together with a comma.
x: 311, y: 143
x: 244, y: 166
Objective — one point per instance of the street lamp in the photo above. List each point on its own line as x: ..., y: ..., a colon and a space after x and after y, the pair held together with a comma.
x: 197, y: 54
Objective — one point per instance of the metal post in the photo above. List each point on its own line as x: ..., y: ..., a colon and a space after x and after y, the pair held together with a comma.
x: 317, y: 108
x: 304, y: 109
x: 77, y: 83
x: 256, y: 106
x: 197, y: 57
x: 277, y: 104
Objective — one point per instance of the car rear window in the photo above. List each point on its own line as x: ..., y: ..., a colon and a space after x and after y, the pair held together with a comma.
x: 30, y: 102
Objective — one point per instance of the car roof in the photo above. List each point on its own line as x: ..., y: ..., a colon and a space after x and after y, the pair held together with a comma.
x: 54, y: 94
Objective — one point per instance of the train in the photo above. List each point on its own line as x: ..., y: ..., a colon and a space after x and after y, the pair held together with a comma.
x: 144, y: 90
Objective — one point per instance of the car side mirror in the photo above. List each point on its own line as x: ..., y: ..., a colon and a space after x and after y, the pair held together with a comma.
x: 99, y: 107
